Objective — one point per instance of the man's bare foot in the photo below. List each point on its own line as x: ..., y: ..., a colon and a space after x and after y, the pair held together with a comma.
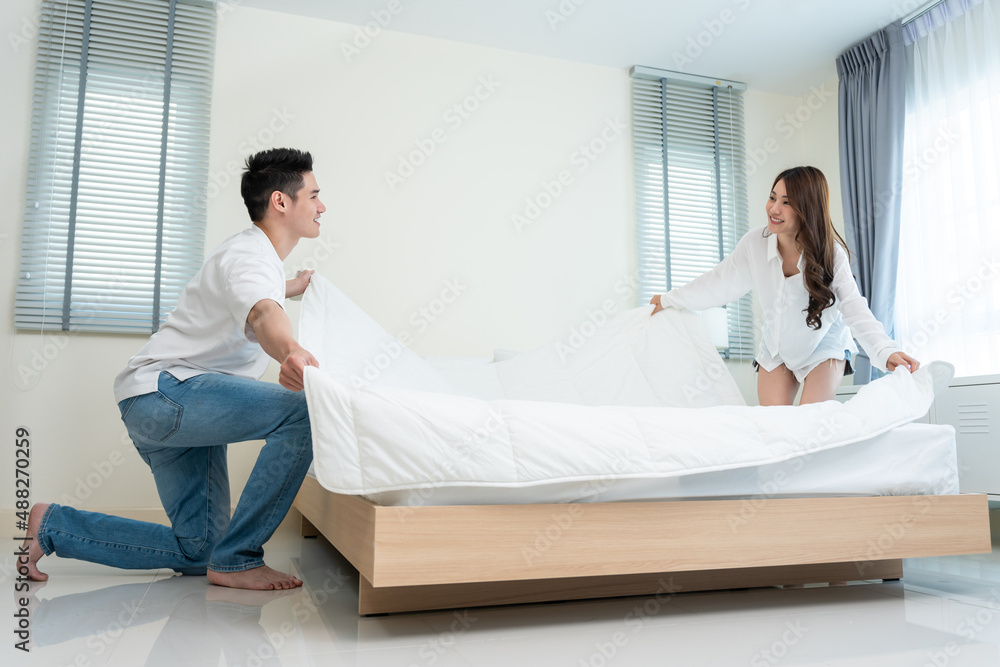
x: 261, y: 578
x: 31, y: 544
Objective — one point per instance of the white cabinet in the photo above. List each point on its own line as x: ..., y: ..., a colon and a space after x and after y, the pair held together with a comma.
x: 972, y: 406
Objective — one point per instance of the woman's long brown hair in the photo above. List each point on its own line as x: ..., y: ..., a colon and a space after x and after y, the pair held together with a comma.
x: 809, y: 196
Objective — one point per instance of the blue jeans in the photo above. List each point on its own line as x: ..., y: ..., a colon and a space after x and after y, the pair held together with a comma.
x: 182, y: 432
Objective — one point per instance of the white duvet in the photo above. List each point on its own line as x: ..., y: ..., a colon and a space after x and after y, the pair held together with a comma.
x: 630, y: 360
x: 642, y: 398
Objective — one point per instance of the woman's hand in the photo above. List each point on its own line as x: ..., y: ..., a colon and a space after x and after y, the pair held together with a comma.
x: 656, y: 302
x: 902, y: 359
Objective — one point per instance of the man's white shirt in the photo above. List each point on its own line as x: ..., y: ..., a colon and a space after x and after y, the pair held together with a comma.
x: 208, y: 332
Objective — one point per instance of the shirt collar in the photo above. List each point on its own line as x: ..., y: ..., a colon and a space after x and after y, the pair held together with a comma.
x: 772, y: 248
x: 772, y: 252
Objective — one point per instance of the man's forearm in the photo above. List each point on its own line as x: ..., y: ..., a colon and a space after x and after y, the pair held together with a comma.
x: 273, y: 329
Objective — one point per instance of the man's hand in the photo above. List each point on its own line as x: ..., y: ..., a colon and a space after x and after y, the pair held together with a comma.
x: 298, y: 284
x: 656, y: 302
x: 902, y: 359
x: 293, y: 368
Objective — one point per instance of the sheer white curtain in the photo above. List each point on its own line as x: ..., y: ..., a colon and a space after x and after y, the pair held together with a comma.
x: 948, y: 295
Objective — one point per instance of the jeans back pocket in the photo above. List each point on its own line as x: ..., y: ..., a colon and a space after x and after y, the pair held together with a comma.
x: 151, y: 418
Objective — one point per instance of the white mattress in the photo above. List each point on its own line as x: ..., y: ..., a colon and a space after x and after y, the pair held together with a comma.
x: 641, y: 410
x: 909, y: 460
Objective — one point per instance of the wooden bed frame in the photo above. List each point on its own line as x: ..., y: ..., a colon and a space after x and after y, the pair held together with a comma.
x: 433, y: 557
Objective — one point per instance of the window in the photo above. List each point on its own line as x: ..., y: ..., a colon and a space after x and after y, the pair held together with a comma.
x: 948, y: 286
x: 115, y: 198
x: 690, y: 185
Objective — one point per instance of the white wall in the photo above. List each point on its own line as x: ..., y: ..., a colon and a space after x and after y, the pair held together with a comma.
x: 451, y: 219
x: 283, y: 80
x: 784, y: 132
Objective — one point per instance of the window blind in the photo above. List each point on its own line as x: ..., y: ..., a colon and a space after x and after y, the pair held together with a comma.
x: 118, y: 164
x: 690, y: 185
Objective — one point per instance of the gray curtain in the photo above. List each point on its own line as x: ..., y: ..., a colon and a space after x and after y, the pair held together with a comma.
x: 872, y: 110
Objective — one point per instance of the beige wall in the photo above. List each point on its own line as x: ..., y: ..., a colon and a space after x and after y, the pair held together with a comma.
x: 283, y: 80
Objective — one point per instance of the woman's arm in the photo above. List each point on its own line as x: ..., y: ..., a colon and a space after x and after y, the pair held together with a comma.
x: 727, y: 281
x: 882, y: 350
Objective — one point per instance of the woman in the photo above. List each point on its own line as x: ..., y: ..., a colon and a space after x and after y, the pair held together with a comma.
x: 799, y: 268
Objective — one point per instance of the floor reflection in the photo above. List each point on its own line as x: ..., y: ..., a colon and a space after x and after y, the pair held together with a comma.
x: 944, y: 609
x: 202, y: 622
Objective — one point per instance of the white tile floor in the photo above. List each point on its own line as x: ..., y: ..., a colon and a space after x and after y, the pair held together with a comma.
x: 945, y: 612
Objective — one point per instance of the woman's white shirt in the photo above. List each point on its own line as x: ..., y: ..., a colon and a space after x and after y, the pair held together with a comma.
x: 785, y: 338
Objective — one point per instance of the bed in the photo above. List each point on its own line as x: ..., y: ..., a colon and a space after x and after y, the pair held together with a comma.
x: 490, y: 509
x: 439, y: 557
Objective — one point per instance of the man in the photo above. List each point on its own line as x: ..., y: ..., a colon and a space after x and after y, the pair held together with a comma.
x: 194, y: 387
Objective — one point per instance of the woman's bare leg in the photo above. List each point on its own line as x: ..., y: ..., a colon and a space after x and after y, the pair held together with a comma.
x: 777, y: 387
x: 822, y: 382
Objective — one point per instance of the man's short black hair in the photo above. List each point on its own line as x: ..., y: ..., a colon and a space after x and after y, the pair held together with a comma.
x: 270, y: 170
